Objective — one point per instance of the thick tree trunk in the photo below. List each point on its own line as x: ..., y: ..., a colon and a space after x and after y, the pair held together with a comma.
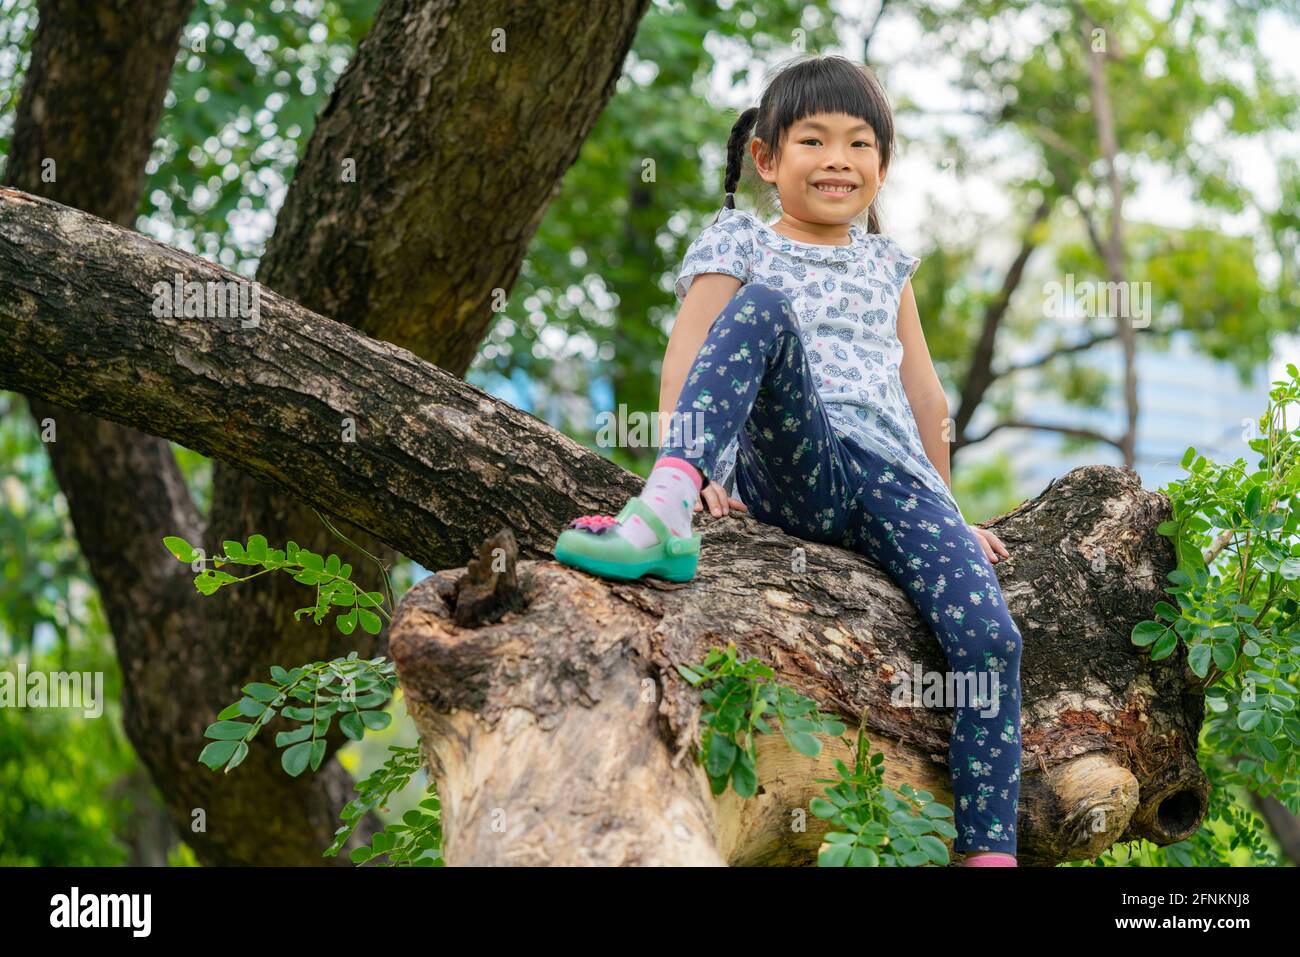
x: 558, y: 733
x: 367, y: 213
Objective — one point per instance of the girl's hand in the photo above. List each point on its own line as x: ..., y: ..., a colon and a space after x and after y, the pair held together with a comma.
x: 992, y: 545
x: 720, y: 503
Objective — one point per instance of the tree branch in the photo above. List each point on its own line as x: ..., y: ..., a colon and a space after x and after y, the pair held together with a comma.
x: 1070, y: 430
x: 1058, y: 351
x: 435, y: 461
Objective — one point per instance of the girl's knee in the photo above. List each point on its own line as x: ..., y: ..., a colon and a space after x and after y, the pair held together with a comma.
x: 775, y: 303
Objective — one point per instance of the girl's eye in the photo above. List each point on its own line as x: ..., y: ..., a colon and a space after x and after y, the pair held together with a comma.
x: 813, y: 139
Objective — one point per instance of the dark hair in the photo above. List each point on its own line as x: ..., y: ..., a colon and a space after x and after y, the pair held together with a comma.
x: 816, y: 84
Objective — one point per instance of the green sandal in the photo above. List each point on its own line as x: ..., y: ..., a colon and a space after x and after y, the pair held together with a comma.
x: 591, y: 544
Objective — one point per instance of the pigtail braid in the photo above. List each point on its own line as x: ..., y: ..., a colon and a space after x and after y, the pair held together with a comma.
x: 736, y: 144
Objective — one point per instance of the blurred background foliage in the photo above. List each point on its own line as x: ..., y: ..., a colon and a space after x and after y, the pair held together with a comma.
x: 587, y: 321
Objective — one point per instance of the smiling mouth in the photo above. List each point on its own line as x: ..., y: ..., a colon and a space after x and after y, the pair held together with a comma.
x: 835, y: 190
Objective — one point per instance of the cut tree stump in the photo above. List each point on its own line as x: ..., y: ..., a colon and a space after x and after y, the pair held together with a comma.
x: 559, y: 732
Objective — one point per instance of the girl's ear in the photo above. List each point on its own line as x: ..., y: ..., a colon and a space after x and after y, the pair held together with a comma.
x: 758, y: 150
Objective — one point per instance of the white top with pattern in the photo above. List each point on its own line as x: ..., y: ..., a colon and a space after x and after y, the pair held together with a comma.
x: 846, y: 299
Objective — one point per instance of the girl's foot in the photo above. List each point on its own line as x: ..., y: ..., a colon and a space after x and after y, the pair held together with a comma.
x: 650, y: 536
x: 990, y: 859
x: 671, y: 491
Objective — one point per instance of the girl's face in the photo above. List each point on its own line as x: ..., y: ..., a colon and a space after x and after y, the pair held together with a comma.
x: 825, y: 149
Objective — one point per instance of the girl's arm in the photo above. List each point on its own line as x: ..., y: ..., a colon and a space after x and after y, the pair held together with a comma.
x: 921, y: 383
x: 709, y: 292
x: 930, y: 406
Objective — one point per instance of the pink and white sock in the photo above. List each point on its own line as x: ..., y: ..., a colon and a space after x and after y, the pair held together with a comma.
x: 671, y: 491
x: 991, y: 860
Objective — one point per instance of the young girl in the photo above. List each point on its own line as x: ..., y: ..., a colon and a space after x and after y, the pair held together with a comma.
x: 798, y: 352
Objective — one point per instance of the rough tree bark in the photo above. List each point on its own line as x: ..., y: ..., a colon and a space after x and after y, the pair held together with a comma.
x: 559, y: 734
x: 394, y: 252
x: 437, y: 463
x: 549, y: 703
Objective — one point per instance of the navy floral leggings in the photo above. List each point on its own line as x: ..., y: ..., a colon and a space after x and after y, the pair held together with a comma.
x: 794, y: 471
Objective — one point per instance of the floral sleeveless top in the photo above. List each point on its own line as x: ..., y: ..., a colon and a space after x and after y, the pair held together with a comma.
x: 846, y: 298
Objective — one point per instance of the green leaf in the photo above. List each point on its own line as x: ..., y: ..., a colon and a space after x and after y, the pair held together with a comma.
x: 369, y: 621
x: 317, y: 752
x: 206, y: 583
x: 837, y: 855
x: 1167, y: 528
x: 352, y: 726
x: 1166, y: 611
x: 934, y: 848
x: 347, y: 623
x: 822, y: 808
x: 1198, y: 659
x: 376, y: 720
x: 231, y: 712
x: 294, y: 760
x: 691, y: 676
x: 1225, y: 656
x: 234, y: 550
x: 218, y: 753
x: 256, y: 551
x: 227, y: 730
x: 262, y: 692
x: 182, y: 549
x: 241, y: 752
x: 864, y: 857
x: 359, y: 855
x: 1145, y: 632
x: 743, y: 776
x: 1165, y: 646
x: 721, y: 755
x: 1246, y: 720
x: 293, y: 737
x: 804, y: 743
